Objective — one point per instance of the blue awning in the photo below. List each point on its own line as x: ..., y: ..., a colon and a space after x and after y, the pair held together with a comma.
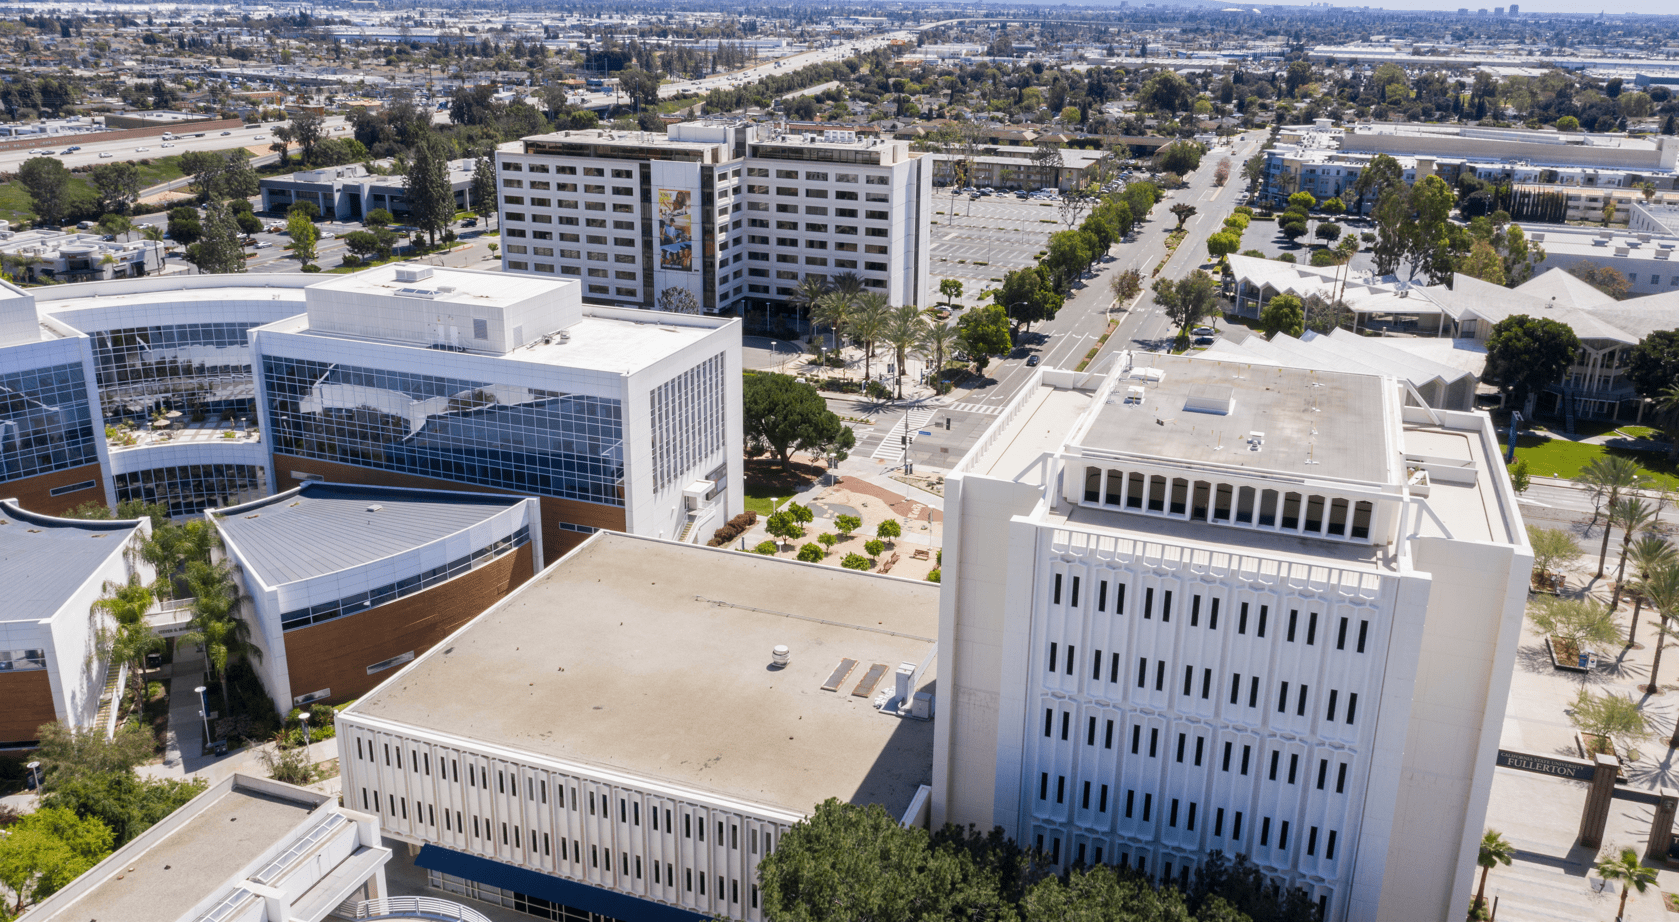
x: 546, y: 886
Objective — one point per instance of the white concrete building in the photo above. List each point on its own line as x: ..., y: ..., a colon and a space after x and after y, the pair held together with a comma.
x: 249, y: 849
x: 618, y: 738
x: 54, y: 570
x: 456, y: 379
x: 735, y: 216
x: 53, y: 256
x: 1193, y: 605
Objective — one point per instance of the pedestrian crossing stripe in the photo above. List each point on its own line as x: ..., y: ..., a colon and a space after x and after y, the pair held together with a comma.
x: 891, y: 448
x: 976, y: 408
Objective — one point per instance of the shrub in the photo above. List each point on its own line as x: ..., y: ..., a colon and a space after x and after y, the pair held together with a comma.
x: 933, y: 576
x: 1368, y: 237
x: 311, y: 268
x: 1322, y: 258
x: 1286, y: 258
x: 766, y: 548
x: 828, y: 539
x: 736, y: 527
x: 875, y: 547
x: 811, y: 553
x: 846, y: 524
x: 856, y: 562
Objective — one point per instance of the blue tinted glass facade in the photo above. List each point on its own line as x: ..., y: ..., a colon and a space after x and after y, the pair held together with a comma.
x: 198, y: 364
x: 45, y: 424
x: 544, y: 443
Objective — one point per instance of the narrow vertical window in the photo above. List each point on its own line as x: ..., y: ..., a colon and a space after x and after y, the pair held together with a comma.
x: 1312, y: 841
x: 1332, y: 695
x: 1130, y: 802
x: 1300, y: 706
x: 1264, y: 611
x: 1253, y: 693
x: 1096, y: 667
x: 1060, y: 788
x: 1363, y: 632
x: 1148, y: 602
x: 1108, y: 739
x: 1200, y: 748
x: 1070, y: 658
x: 1276, y: 757
x: 1352, y: 706
x: 1206, y: 684
x: 1323, y: 772
x: 1102, y: 596
x: 1055, y: 596
x: 1341, y: 778
x: 1049, y: 721
x: 1311, y: 628
x: 1212, y: 616
x: 1282, y: 699
x: 1282, y: 835
x: 1293, y: 621
x: 1182, y: 738
x: 1053, y: 648
x: 1265, y: 831
x: 1172, y: 814
x: 1074, y: 600
x: 1159, y: 675
x: 1166, y: 606
x: 1153, y: 742
x: 1293, y: 766
x: 1084, y: 800
x: 1066, y: 723
x: 1246, y: 752
x: 1218, y: 822
x: 1148, y: 806
x: 1142, y: 672
x: 1190, y: 825
x: 1228, y: 746
x: 1329, y: 846
x: 1119, y: 598
x: 1188, y: 680
x: 1113, y: 669
x: 1236, y: 826
x: 1235, y: 687
x: 1341, y: 635
x: 1102, y: 807
x: 1136, y: 737
x: 1043, y: 786
x: 1194, y: 611
x: 1242, y: 619
x: 1090, y: 732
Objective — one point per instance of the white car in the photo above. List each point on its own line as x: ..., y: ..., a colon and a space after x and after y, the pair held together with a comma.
x: 166, y: 144
x: 141, y: 150
x: 105, y: 154
x: 260, y: 137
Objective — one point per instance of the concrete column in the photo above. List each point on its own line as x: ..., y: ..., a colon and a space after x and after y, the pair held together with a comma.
x: 1596, y: 814
x: 1661, y: 828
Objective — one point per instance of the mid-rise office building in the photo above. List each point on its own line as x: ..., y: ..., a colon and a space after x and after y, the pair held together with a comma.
x: 54, y: 570
x: 51, y: 256
x: 730, y: 212
x: 1193, y: 605
x: 455, y: 379
x: 630, y: 733
x: 349, y: 192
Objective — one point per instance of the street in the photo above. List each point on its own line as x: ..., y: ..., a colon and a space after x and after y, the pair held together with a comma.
x: 254, y: 136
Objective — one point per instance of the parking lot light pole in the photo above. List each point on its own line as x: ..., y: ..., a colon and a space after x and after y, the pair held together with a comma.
x: 35, y: 775
x: 204, y: 712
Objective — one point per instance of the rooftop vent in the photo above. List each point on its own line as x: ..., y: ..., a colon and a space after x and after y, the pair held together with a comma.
x: 375, y: 507
x: 1210, y: 398
x: 412, y: 273
x: 780, y: 655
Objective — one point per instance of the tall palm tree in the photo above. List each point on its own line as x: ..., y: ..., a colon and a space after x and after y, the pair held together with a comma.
x: 938, y: 341
x: 1661, y: 589
x: 1610, y: 477
x: 832, y: 310
x: 152, y: 232
x: 904, y: 327
x: 849, y: 284
x: 1495, y: 850
x: 1630, y: 872
x: 810, y: 290
x: 216, y: 622
x: 1632, y: 515
x: 1648, y: 554
x: 868, y: 325
x: 130, y: 638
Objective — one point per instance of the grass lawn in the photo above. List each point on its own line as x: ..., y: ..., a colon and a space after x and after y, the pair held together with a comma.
x: 1561, y: 458
x: 767, y: 484
x: 16, y: 207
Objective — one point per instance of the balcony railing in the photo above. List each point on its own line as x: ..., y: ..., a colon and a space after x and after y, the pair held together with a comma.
x: 409, y: 907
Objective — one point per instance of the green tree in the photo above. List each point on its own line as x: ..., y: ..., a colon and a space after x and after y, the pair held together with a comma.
x: 123, y: 801
x: 116, y: 225
x: 1525, y: 355
x: 378, y: 217
x: 784, y: 526
x: 1179, y: 157
x: 1332, y: 206
x: 216, y: 625
x: 855, y: 561
x: 783, y: 415
x: 904, y: 332
x: 431, y: 200
x: 1581, y: 622
x: 983, y: 332
x: 1028, y: 295
x: 951, y: 289
x: 219, y: 250
x: 1495, y: 850
x: 1617, y: 719
x: 868, y: 322
x: 1222, y: 244
x: 1608, y: 478
x: 1653, y: 369
x: 642, y: 87
x: 1166, y: 91
x: 1649, y: 554
x: 1183, y: 211
x: 832, y: 310
x: 846, y: 524
x: 1568, y: 123
x: 1327, y: 231
x: 1631, y: 515
x: 1392, y: 236
x: 116, y: 185
x: 1070, y: 254
x: 1627, y: 870
x: 1103, y: 893
x: 1552, y: 547
x: 1660, y: 587
x: 938, y: 340
x: 1483, y: 262
x: 67, y: 753
x: 1430, y: 205
x: 307, y: 210
x: 304, y: 234
x: 889, y: 529
x: 874, y: 548
x: 128, y: 638
x: 1187, y: 301
x: 47, y: 849
x: 1305, y: 201
x: 1283, y: 314
x: 48, y: 184
x: 1126, y: 285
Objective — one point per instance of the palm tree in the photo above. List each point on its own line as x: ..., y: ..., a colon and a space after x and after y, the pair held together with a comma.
x: 1632, y: 515
x: 939, y: 340
x: 903, y: 333
x: 849, y: 284
x: 216, y: 624
x: 131, y: 638
x: 868, y: 325
x: 832, y: 310
x: 808, y: 292
x: 1609, y: 477
x: 1648, y: 554
x: 1631, y: 873
x: 1661, y: 588
x: 152, y: 232
x: 1495, y: 850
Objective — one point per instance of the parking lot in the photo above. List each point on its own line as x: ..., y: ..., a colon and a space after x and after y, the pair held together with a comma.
x: 978, y: 241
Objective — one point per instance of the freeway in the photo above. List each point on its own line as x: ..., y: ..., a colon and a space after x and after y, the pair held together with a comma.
x: 750, y: 75
x: 257, y: 137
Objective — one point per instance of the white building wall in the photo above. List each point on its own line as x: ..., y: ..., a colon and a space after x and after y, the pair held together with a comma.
x: 620, y: 833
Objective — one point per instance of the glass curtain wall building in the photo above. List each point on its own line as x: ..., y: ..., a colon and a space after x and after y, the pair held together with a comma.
x: 183, y: 366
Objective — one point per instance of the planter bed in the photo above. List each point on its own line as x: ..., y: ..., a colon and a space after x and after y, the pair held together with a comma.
x: 1568, y: 663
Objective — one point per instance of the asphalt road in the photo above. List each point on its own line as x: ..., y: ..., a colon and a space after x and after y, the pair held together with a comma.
x: 752, y: 74
x: 135, y: 149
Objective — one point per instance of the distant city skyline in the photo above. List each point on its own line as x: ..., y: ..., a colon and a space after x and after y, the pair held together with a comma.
x: 1641, y: 7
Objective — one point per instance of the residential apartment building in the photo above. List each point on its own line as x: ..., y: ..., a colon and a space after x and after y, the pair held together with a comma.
x: 734, y: 217
x: 54, y: 570
x: 349, y: 582
x: 1193, y: 605
x: 455, y: 379
x: 571, y: 769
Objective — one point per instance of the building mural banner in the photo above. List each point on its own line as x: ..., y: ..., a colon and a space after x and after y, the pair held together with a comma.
x: 676, y: 230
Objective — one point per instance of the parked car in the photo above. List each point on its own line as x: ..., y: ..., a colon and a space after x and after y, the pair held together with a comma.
x: 1203, y: 340
x: 1204, y: 331
x: 1031, y: 360
x: 470, y: 222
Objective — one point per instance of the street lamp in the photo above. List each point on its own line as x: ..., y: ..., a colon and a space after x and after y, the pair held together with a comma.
x: 35, y: 776
x: 303, y: 720
x: 204, y: 713
x: 775, y: 354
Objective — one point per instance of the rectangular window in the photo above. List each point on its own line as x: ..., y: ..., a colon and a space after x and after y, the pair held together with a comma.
x: 1235, y: 687
x: 1055, y: 594
x: 1136, y: 737
x: 1182, y: 738
x: 1276, y: 757
x: 1329, y: 844
x: 1236, y: 826
x: 1113, y: 668
x: 1130, y: 802
x: 1102, y: 806
x: 1102, y: 596
x: 1153, y: 742
x: 1194, y: 610
x: 1200, y: 748
x: 1212, y: 617
x: 1096, y: 667
x: 1265, y: 831
x: 1142, y: 672
x: 1160, y: 675
x: 1341, y: 778
x: 1148, y: 806
x: 1060, y: 788
x: 1293, y: 620
x: 1070, y: 658
x: 1090, y: 732
x: 1341, y: 635
x: 1363, y: 632
x: 1188, y: 680
x: 1218, y: 822
x: 1119, y: 599
x: 1352, y: 706
x: 1049, y: 721
x: 1043, y: 786
x: 1293, y: 766
x: 1282, y: 699
x: 1052, y: 651
x: 1311, y: 628
x: 1264, y: 610
x: 1074, y: 599
x: 1300, y: 709
x: 1206, y: 684
x: 1166, y: 606
x: 1066, y: 722
x: 1246, y: 752
x: 1228, y: 746
x: 1242, y: 620
x: 1323, y: 772
x: 1108, y: 739
x: 1148, y: 603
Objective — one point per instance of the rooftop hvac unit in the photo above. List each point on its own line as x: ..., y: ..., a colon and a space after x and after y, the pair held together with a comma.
x: 412, y: 273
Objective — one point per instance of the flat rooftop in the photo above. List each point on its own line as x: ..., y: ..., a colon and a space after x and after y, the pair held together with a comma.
x: 322, y: 528
x: 44, y: 560
x: 166, y: 877
x: 446, y: 285
x: 1315, y: 423
x: 653, y: 659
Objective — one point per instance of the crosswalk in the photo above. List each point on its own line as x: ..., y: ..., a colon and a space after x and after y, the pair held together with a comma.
x: 985, y: 409
x: 891, y: 447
